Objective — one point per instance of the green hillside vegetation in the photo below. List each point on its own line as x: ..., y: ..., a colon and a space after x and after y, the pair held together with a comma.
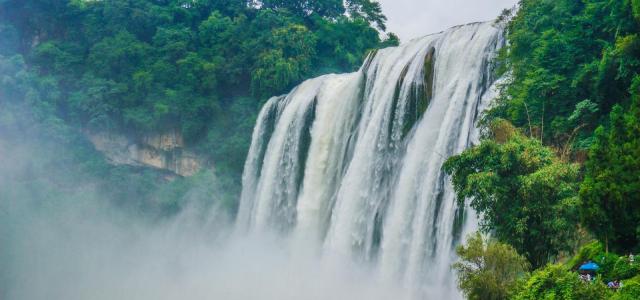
x: 559, y: 162
x: 143, y: 66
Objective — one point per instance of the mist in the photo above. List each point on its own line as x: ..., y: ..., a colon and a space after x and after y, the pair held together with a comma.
x: 61, y: 242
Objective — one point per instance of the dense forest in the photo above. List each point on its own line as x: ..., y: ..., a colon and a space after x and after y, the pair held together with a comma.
x: 139, y: 66
x: 559, y: 164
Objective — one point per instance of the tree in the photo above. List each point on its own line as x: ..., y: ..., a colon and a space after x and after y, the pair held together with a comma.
x: 526, y: 196
x: 202, y: 67
x: 324, y: 8
x: 558, y: 282
x: 369, y: 10
x: 335, y: 53
x: 629, y: 291
x: 611, y: 189
x: 288, y: 60
x: 117, y: 57
x: 561, y: 53
x: 488, y: 270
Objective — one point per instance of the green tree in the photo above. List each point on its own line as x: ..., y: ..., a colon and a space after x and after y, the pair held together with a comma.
x: 611, y: 188
x: 117, y: 57
x: 488, y: 270
x: 630, y: 290
x: 561, y: 53
x: 558, y: 282
x: 368, y: 10
x: 203, y: 68
x: 526, y: 196
x: 288, y: 60
x: 324, y: 8
x: 335, y: 53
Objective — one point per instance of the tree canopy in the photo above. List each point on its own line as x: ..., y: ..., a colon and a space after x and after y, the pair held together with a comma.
x: 571, y: 83
x: 567, y: 170
x: 488, y: 270
x: 568, y: 62
x: 525, y: 195
x: 145, y: 65
x: 200, y: 67
x: 611, y: 188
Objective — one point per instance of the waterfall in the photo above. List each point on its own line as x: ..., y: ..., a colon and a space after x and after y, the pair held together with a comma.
x: 353, y: 162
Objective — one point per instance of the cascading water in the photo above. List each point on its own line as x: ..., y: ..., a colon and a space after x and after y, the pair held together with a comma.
x: 353, y: 162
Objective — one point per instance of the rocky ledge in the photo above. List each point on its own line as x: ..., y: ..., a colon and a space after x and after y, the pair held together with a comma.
x: 165, y: 151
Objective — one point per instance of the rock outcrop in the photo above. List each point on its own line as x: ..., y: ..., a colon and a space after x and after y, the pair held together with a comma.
x: 165, y: 151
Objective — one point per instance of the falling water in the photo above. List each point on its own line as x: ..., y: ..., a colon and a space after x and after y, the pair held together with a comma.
x: 353, y: 162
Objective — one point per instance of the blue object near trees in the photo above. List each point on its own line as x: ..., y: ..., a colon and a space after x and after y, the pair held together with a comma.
x: 590, y: 266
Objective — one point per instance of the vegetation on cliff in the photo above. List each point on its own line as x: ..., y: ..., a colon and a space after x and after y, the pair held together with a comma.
x: 200, y: 67
x: 567, y: 172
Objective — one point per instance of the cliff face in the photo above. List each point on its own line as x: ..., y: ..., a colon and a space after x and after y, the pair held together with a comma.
x: 165, y: 151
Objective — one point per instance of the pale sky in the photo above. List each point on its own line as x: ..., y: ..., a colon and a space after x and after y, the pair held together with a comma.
x: 415, y: 18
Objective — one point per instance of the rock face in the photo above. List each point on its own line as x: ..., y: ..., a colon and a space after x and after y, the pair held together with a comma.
x: 165, y: 151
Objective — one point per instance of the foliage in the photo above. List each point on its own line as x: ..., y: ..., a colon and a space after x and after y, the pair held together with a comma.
x: 200, y: 67
x: 525, y: 195
x: 561, y: 281
x: 564, y: 56
x: 147, y: 65
x: 46, y: 160
x: 611, y: 188
x: 590, y: 251
x: 630, y: 290
x: 558, y: 282
x: 611, y: 266
x: 488, y: 269
x: 367, y: 10
x: 571, y: 71
x: 278, y: 69
x: 623, y: 269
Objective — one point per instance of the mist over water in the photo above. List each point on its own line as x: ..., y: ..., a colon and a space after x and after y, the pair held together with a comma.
x: 79, y: 246
x: 82, y: 255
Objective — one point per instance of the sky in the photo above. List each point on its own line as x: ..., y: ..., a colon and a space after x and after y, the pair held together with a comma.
x: 415, y: 18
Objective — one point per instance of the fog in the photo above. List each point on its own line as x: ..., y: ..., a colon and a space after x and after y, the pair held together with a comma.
x: 72, y: 243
